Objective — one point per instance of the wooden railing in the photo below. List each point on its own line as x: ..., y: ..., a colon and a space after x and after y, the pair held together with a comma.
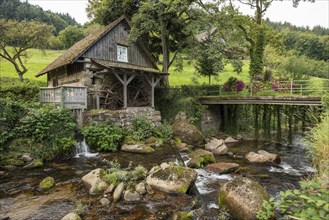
x: 71, y: 97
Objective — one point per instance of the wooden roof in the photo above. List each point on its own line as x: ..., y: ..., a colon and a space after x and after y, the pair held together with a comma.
x: 205, y: 35
x: 74, y: 52
x: 127, y: 66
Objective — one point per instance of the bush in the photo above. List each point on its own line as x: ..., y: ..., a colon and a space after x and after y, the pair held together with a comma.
x: 233, y: 85
x: 52, y: 130
x: 103, y: 136
x: 164, y: 131
x: 310, y: 202
x: 142, y: 129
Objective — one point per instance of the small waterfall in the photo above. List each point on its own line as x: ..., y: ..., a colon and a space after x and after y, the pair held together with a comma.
x: 82, y: 149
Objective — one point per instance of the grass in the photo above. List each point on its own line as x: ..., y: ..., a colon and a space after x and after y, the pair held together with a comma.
x: 36, y: 62
x: 39, y: 60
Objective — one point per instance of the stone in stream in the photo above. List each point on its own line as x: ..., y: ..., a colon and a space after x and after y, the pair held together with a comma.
x: 47, y: 183
x: 71, y: 216
x: 200, y: 158
x: 104, y: 201
x: 92, y: 177
x: 34, y: 164
x: 149, y: 189
x: 137, y: 148
x: 243, y: 198
x: 110, y: 189
x: 222, y: 168
x: 230, y: 140
x: 118, y: 192
x: 216, y: 146
x: 98, y: 187
x: 27, y: 157
x: 172, y: 178
x: 140, y: 188
x: 262, y: 156
x: 2, y: 173
x: 131, y: 196
x: 187, y: 132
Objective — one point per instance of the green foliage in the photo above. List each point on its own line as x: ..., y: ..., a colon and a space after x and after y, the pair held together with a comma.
x: 103, y: 136
x: 310, y: 202
x: 164, y: 131
x: 139, y: 173
x: 21, y: 36
x: 70, y: 35
x: 257, y: 55
x: 51, y: 129
x: 80, y: 208
x: 55, y: 43
x: 111, y: 178
x: 295, y: 68
x: 142, y: 128
x: 14, y: 89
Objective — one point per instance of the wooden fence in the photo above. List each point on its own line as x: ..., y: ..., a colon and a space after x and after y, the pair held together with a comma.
x: 71, y: 97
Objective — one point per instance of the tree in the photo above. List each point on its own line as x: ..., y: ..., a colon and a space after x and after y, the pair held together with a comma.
x: 105, y: 11
x: 70, y: 36
x: 164, y: 21
x: 19, y: 36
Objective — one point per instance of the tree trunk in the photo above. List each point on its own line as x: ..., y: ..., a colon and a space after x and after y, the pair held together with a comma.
x: 209, y: 79
x: 20, y: 76
x: 165, y: 52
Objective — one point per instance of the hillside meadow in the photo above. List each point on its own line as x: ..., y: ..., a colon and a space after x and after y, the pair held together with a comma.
x: 40, y: 59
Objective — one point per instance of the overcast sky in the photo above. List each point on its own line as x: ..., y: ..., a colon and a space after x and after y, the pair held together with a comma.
x: 306, y: 14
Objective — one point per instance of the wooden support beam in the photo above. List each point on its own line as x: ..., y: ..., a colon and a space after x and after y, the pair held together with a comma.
x: 125, y: 82
x: 153, y: 82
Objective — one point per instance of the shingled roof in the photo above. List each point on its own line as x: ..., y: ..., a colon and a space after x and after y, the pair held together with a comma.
x: 74, y: 52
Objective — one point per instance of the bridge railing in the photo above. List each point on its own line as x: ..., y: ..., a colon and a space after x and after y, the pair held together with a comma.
x: 285, y: 88
x: 71, y: 97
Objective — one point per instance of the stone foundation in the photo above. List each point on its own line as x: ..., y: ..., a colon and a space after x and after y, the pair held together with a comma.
x: 210, y: 121
x: 124, y: 117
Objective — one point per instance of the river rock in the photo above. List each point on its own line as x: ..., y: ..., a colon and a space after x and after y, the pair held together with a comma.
x: 92, y: 177
x: 230, y: 140
x: 110, y: 189
x: 47, y: 183
x: 34, y: 164
x: 118, y: 192
x: 140, y: 188
x: 223, y: 167
x: 27, y: 157
x: 172, y: 178
x: 104, y: 201
x: 2, y: 173
x: 13, y: 161
x: 149, y: 189
x: 154, y: 142
x: 269, y: 156
x: 187, y: 132
x: 131, y: 196
x: 262, y: 156
x: 98, y: 187
x: 137, y: 148
x: 200, y: 157
x: 243, y: 198
x: 214, y: 143
x: 71, y: 216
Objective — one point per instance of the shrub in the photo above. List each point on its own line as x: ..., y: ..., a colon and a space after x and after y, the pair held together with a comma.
x: 103, y: 136
x: 310, y: 202
x: 142, y: 128
x: 164, y: 131
x: 139, y: 172
x: 233, y: 85
x: 51, y: 129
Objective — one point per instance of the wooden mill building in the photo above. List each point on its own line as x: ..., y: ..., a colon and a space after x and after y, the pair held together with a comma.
x: 103, y: 70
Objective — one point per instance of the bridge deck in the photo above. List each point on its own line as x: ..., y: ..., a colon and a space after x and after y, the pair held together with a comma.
x: 270, y: 100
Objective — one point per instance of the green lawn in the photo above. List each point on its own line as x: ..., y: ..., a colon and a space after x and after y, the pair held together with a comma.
x: 36, y: 62
x: 39, y: 60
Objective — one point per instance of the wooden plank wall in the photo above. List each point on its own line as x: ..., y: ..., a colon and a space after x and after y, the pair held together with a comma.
x: 106, y: 47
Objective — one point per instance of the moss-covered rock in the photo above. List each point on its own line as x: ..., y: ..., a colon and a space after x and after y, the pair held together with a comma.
x: 200, y: 158
x: 154, y: 142
x: 47, y: 183
x: 184, y: 216
x: 9, y: 167
x: 172, y: 178
x: 137, y: 148
x: 34, y: 164
x: 243, y: 198
x: 187, y: 132
x: 71, y: 216
x: 12, y: 161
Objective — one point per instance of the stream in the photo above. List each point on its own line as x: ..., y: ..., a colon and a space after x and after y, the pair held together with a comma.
x: 20, y: 197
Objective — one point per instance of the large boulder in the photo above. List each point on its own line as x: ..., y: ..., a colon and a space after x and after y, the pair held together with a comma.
x: 33, y: 164
x: 230, y: 140
x: 262, y: 156
x: 137, y: 148
x: 223, y: 167
x: 187, y: 132
x: 172, y: 178
x: 200, y: 158
x: 243, y: 198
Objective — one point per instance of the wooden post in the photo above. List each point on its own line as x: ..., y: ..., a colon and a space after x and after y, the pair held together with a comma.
x: 97, y: 101
x: 256, y: 122
x: 125, y: 82
x: 278, y: 125
x: 153, y: 82
x: 62, y: 97
x: 291, y: 87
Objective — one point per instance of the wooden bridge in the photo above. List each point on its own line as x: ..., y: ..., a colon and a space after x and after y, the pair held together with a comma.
x: 270, y: 100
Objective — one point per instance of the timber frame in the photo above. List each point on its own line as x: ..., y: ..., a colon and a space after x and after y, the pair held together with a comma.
x: 115, y: 73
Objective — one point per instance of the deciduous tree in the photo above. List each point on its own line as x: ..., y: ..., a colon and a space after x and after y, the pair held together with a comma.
x: 17, y: 37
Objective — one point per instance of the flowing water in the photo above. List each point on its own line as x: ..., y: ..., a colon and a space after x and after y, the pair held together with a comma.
x: 82, y: 149
x: 20, y: 197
